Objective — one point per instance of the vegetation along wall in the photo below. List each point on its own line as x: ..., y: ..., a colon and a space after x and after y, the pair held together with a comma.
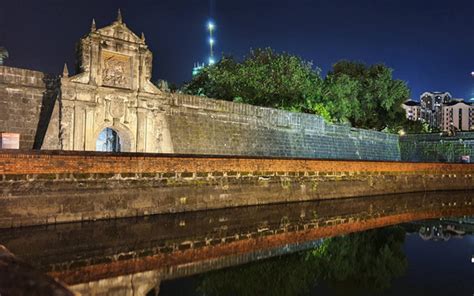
x: 437, y: 148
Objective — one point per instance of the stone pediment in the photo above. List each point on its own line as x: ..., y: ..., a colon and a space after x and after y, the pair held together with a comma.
x: 115, y: 57
x: 118, y: 30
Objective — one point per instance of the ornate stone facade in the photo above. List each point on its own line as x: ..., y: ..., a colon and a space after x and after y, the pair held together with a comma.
x: 112, y: 90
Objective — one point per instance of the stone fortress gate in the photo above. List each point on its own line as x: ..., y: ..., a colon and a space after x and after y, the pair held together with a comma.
x: 110, y: 105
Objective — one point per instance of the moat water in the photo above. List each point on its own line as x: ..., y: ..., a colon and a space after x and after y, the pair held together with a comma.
x: 387, y: 261
x: 410, y: 244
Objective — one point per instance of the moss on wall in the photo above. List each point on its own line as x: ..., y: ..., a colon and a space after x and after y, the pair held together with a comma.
x: 437, y: 148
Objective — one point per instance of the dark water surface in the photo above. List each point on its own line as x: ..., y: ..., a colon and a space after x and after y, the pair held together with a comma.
x: 394, y: 260
x: 410, y: 244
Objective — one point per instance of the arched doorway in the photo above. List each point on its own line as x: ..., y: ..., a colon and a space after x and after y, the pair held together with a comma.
x: 108, y: 141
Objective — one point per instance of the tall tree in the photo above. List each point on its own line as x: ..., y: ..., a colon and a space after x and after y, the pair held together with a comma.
x: 264, y: 78
x: 370, y: 96
x: 366, y: 96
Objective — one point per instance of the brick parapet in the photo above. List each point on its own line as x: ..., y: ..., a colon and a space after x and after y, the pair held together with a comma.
x: 84, y: 162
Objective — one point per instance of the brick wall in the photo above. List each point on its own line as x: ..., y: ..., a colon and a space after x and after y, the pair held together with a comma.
x: 53, y: 187
x: 64, y: 162
x: 26, y: 100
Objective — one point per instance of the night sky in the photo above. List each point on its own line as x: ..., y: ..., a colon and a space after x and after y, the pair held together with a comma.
x: 430, y: 44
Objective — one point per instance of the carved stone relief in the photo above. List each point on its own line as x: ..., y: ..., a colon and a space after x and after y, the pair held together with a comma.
x: 116, y: 69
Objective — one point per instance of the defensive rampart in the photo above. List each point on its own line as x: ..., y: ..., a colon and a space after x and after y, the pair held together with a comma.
x: 54, y: 187
x: 48, y: 115
x: 206, y: 126
x: 26, y: 104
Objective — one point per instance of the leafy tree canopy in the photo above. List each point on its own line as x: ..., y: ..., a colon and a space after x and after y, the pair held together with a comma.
x: 366, y: 96
x: 264, y: 78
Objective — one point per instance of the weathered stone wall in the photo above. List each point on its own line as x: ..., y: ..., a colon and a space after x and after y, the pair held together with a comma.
x: 26, y: 103
x: 437, y: 148
x: 207, y: 126
x: 49, y: 188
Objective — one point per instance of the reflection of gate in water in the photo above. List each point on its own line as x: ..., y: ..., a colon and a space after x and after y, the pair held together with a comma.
x: 108, y: 141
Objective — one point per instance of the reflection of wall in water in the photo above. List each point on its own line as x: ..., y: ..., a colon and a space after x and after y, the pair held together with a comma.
x: 183, y: 244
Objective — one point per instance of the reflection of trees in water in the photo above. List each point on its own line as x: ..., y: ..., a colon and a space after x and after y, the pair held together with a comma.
x: 360, y: 261
x: 286, y: 275
x: 366, y: 260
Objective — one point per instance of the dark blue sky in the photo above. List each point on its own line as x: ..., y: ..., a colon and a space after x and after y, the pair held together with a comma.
x: 430, y: 44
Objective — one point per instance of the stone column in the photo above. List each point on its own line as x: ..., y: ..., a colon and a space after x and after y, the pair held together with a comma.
x: 67, y: 125
x: 79, y: 127
x: 163, y: 131
x: 141, y: 129
x: 89, y: 137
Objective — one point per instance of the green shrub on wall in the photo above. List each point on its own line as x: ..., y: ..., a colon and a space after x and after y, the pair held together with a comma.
x: 438, y: 149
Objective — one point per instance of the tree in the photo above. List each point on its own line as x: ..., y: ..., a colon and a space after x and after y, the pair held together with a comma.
x: 412, y: 127
x: 217, y: 81
x: 367, y: 96
x: 338, y: 97
x: 264, y: 78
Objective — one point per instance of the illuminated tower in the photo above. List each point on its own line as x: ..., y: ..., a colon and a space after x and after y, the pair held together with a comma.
x: 211, y: 27
x: 211, y: 61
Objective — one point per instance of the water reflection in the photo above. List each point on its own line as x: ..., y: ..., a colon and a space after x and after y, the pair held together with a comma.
x: 372, y: 262
x: 360, y: 261
x: 353, y: 245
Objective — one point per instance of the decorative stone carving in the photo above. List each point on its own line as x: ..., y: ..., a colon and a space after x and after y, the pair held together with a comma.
x: 116, y: 70
x: 114, y: 81
x: 117, y: 107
